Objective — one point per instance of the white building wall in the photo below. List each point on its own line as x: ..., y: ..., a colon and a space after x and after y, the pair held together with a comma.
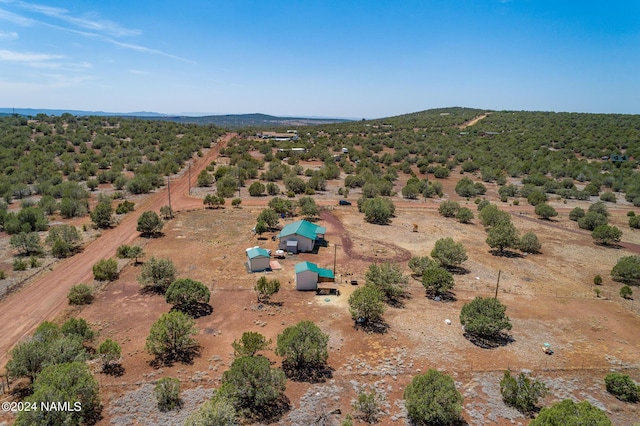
x: 306, y: 280
x: 259, y: 264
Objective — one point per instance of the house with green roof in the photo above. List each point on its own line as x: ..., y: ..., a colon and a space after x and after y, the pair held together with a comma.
x: 308, y: 275
x: 300, y: 236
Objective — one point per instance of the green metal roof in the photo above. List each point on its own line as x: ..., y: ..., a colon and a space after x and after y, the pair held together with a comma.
x: 302, y: 227
x: 308, y: 266
x: 254, y: 252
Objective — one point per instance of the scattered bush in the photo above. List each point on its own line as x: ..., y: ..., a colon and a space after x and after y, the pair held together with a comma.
x: 170, y: 338
x: 157, y: 274
x: 367, y: 406
x: 622, y: 387
x: 366, y: 304
x: 569, y: 413
x: 545, y: 211
x: 576, y: 214
x: 529, y: 243
x: 626, y: 292
x: 187, y: 295
x: 627, y: 270
x: 464, y: 215
x: 150, y: 224
x: 249, y: 344
x: 521, y: 392
x: 605, y: 234
x: 449, y: 253
x: 484, y: 318
x: 105, y: 270
x: 432, y: 399
x: 167, y: 392
x: 19, y: 265
x: 448, y: 208
x: 266, y: 288
x: 304, y: 349
x: 597, y: 280
x: 437, y: 280
x: 80, y: 294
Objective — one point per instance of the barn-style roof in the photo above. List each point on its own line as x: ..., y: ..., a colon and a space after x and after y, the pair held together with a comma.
x: 254, y: 252
x: 303, y: 228
x: 308, y: 266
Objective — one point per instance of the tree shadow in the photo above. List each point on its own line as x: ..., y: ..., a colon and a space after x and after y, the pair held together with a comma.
x: 308, y: 373
x: 196, y: 310
x: 21, y: 389
x: 271, y: 413
x: 151, y: 290
x: 611, y: 245
x: 155, y: 234
x: 447, y: 296
x: 184, y: 357
x: 115, y: 370
x: 493, y: 342
x: 458, y: 270
x: 379, y: 327
x: 506, y: 253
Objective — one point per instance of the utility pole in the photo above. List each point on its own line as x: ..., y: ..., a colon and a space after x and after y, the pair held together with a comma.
x: 189, y: 177
x: 169, y: 190
x: 497, y: 284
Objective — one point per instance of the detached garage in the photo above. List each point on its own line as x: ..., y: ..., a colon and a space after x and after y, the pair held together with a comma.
x: 308, y: 275
x: 259, y: 259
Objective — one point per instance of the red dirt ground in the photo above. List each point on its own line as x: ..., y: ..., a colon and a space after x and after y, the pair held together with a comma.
x: 549, y: 298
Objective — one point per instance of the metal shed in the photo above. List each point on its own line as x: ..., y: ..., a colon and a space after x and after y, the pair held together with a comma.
x: 259, y: 259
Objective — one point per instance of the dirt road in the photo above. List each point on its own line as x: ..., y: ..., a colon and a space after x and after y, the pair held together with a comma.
x: 46, y: 297
x: 473, y: 121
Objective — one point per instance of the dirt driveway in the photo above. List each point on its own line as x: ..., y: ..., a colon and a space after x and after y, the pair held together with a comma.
x: 46, y: 297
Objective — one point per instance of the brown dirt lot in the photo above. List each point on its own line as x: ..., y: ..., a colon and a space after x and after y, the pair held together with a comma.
x: 549, y: 298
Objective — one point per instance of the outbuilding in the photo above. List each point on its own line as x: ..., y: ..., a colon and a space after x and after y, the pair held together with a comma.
x: 308, y: 275
x: 259, y: 259
x: 300, y: 236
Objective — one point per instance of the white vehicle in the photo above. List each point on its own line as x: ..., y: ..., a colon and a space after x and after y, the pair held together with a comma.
x: 280, y: 254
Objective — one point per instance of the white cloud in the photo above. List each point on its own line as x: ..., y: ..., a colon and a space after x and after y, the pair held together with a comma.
x: 99, y: 29
x: 139, y: 72
x: 8, y: 55
x: 87, y: 22
x: 62, y: 66
x: 16, y: 19
x: 8, y: 36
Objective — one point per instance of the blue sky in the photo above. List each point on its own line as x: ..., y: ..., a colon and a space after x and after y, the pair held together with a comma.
x: 332, y: 58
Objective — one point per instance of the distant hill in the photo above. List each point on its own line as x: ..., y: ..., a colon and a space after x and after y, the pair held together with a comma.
x: 251, y: 120
x: 231, y: 120
x: 35, y: 111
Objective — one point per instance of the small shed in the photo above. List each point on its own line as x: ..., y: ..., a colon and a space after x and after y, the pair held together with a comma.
x: 308, y: 275
x: 259, y: 259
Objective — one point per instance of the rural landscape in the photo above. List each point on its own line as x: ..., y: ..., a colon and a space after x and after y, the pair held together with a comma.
x: 453, y: 266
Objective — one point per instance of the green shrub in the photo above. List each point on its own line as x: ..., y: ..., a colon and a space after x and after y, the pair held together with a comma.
x: 622, y: 387
x: 19, y: 265
x: 80, y: 294
x: 627, y: 270
x: 521, y: 392
x: 105, y: 270
x: 597, y: 280
x: 626, y: 292
x: 167, y: 392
